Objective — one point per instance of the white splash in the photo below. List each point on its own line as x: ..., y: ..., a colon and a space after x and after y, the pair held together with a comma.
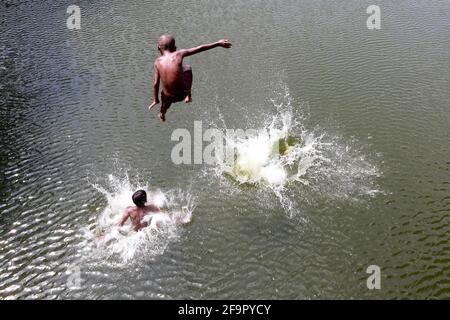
x: 298, y: 164
x: 110, y: 241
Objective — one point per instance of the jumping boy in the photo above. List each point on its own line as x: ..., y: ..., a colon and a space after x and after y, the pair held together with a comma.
x: 176, y: 77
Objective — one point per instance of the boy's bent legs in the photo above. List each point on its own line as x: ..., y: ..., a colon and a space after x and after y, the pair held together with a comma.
x: 188, y: 77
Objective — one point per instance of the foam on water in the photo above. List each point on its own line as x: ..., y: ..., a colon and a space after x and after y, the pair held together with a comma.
x: 267, y: 156
x: 299, y: 164
x: 109, y: 241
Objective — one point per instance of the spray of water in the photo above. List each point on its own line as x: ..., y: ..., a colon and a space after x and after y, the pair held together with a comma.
x: 109, y: 241
x: 300, y: 165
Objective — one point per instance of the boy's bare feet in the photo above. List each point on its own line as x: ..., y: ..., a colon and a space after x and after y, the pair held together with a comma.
x: 188, y: 99
x: 162, y: 117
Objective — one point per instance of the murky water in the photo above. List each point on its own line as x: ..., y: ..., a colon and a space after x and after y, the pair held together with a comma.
x: 365, y: 182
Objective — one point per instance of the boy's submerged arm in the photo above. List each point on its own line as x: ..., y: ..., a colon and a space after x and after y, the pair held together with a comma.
x: 204, y: 47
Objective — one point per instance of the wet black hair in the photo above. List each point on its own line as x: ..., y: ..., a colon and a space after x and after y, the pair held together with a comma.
x: 140, y: 198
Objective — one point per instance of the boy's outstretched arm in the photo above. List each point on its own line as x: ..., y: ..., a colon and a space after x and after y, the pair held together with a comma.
x: 152, y: 208
x: 189, y: 52
x: 155, y: 87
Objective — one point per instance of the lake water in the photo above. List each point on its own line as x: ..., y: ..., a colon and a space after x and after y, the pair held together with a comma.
x: 367, y: 183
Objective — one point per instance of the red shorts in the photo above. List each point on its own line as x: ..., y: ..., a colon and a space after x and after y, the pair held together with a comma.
x: 166, y: 100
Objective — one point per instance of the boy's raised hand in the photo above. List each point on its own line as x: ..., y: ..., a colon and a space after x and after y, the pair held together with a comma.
x: 224, y: 43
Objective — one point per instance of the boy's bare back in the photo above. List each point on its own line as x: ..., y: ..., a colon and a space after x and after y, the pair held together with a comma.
x: 136, y: 215
x: 176, y: 78
x: 170, y: 70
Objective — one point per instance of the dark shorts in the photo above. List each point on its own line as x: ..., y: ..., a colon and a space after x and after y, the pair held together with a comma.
x: 166, y: 100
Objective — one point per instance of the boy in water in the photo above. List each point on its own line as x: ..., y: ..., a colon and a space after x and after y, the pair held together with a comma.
x: 176, y: 77
x: 136, y: 214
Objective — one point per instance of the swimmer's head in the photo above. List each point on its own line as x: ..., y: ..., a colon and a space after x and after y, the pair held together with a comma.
x: 166, y: 42
x: 140, y: 198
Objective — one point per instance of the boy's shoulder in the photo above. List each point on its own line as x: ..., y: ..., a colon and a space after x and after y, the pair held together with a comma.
x: 130, y: 209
